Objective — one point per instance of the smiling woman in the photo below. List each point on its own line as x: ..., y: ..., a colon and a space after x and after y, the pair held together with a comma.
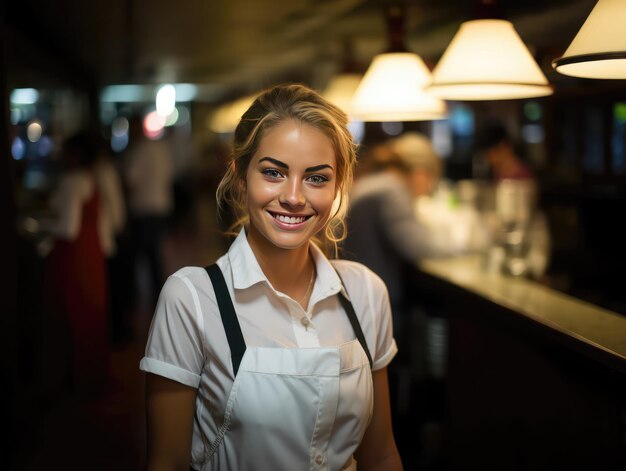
x: 278, y: 358
x: 319, y: 125
x: 290, y: 195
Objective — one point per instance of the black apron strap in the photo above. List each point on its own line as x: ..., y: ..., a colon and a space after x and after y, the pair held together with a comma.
x: 233, y: 330
x: 229, y: 318
x: 354, y: 321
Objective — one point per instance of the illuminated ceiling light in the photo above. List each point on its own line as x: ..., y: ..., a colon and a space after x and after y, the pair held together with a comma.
x: 599, y: 49
x: 340, y: 90
x: 487, y: 60
x: 392, y: 89
x: 24, y: 96
x: 185, y: 92
x: 342, y: 86
x: 34, y: 131
x: 166, y: 100
x: 126, y: 94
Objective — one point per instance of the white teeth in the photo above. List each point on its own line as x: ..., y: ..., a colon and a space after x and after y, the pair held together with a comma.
x: 290, y: 220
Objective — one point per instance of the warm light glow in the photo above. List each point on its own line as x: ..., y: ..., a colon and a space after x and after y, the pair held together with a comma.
x: 226, y: 118
x: 33, y: 131
x: 487, y: 60
x: 393, y: 90
x: 599, y: 49
x: 340, y: 90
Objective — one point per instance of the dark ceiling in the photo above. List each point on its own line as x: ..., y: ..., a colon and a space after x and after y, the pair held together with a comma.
x: 235, y: 46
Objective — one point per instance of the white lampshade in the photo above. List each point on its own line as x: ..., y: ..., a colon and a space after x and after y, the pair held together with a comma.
x: 487, y: 60
x: 392, y: 89
x: 599, y: 49
x: 340, y: 90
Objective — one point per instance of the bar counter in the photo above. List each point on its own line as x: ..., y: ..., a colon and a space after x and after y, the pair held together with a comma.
x: 593, y: 331
x: 535, y: 379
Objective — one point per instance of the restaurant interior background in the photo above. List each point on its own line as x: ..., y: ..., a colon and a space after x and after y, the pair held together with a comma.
x: 69, y: 62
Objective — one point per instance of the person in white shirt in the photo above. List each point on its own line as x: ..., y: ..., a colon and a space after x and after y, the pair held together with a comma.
x: 384, y: 231
x: 149, y: 176
x: 275, y: 357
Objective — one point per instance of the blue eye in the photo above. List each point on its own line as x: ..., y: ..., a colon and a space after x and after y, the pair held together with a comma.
x: 272, y: 173
x: 317, y: 179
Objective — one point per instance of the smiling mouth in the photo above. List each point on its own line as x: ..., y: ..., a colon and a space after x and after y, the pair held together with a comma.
x: 289, y: 219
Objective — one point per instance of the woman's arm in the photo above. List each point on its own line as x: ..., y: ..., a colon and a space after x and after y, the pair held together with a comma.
x: 170, y: 408
x: 378, y: 449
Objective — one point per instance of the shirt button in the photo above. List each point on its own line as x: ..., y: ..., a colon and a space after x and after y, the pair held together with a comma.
x: 305, y: 321
x: 319, y: 459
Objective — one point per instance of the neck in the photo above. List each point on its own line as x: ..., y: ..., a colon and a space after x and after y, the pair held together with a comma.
x: 286, y: 269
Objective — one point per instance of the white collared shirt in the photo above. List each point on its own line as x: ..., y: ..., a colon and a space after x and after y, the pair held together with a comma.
x: 187, y: 342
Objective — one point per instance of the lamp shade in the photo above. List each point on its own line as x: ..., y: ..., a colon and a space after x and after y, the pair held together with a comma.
x: 392, y: 89
x: 599, y: 49
x: 340, y: 90
x: 487, y: 60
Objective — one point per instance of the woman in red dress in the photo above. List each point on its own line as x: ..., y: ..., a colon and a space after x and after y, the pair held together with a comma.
x: 75, y: 279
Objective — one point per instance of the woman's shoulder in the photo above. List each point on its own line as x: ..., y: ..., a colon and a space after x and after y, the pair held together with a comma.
x: 191, y: 272
x: 184, y: 280
x: 194, y: 279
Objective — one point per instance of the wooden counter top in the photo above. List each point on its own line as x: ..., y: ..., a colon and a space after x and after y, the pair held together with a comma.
x: 597, y: 332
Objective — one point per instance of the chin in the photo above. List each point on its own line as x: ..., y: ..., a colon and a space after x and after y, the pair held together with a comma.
x: 288, y: 241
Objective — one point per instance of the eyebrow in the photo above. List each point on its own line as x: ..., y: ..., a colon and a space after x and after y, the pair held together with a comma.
x: 286, y: 167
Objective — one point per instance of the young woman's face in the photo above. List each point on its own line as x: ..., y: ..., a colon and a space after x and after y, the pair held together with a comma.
x: 291, y: 184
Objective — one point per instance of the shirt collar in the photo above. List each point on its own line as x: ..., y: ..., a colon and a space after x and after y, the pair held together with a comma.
x: 327, y: 282
x: 245, y: 267
x: 247, y: 271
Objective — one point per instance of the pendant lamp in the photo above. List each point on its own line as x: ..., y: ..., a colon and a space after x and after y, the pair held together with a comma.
x: 392, y: 89
x: 340, y: 90
x: 487, y: 60
x: 226, y: 118
x: 341, y: 87
x: 599, y: 49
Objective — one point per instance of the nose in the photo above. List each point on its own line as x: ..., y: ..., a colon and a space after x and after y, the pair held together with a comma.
x: 293, y: 195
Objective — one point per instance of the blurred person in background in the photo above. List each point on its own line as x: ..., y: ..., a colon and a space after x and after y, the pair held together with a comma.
x: 384, y: 232
x: 149, y: 177
x: 520, y: 238
x: 75, y: 285
x: 501, y: 153
x: 390, y: 234
x: 112, y: 232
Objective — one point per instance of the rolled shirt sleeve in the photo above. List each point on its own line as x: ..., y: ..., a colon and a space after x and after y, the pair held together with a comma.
x: 175, y: 347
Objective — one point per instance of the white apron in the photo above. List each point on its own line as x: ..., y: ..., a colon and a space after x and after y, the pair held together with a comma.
x: 290, y: 408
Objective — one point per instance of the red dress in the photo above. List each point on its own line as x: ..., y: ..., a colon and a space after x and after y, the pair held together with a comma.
x: 75, y: 285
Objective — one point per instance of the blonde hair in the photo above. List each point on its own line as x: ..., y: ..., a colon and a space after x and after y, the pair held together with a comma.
x: 417, y: 152
x: 272, y: 107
